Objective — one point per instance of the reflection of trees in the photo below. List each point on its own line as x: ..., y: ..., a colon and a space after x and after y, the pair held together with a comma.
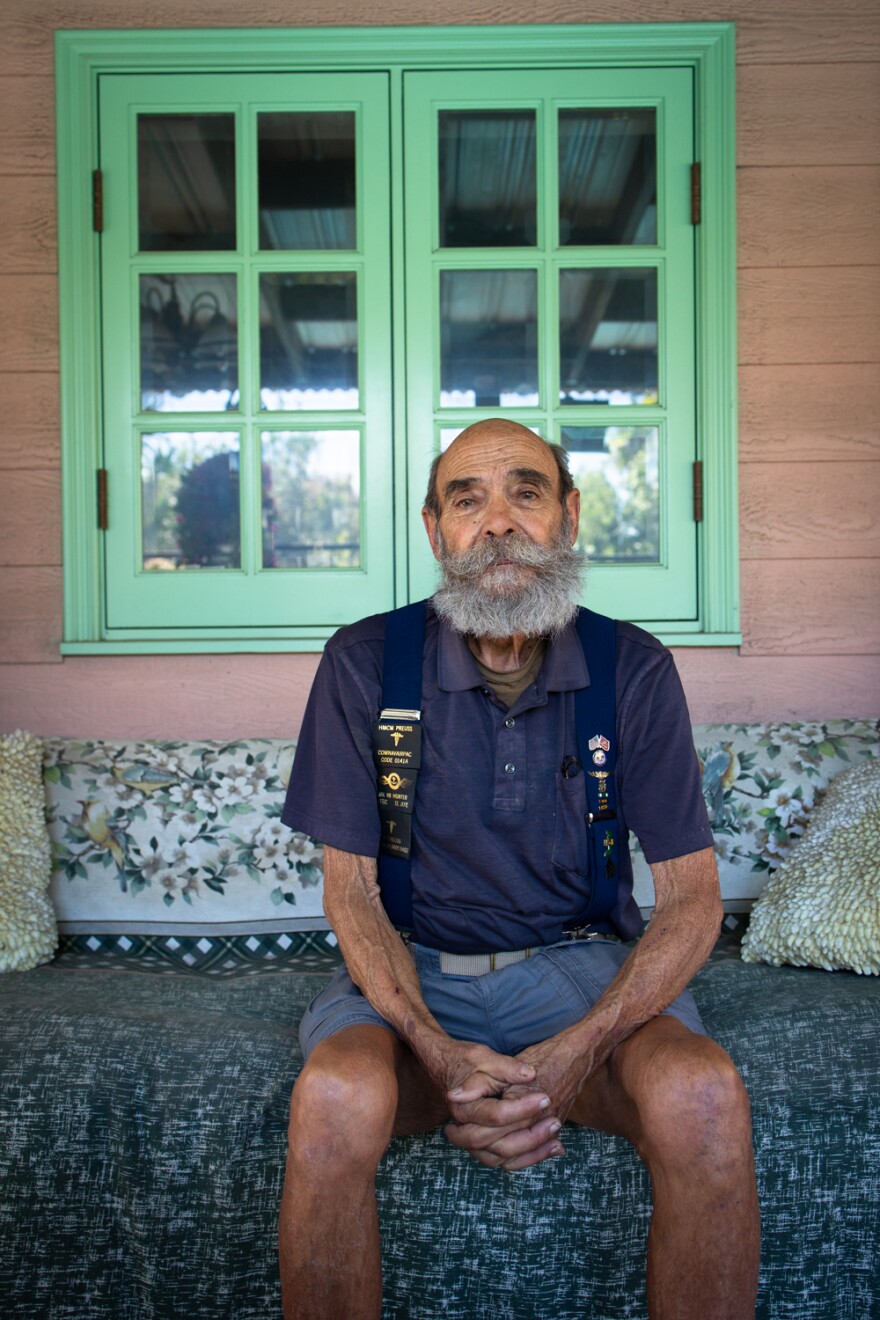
x: 310, y: 519
x: 620, y: 517
x: 208, y: 514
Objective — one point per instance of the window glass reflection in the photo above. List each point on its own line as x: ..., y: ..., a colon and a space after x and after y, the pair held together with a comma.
x: 616, y: 470
x: 189, y: 343
x: 488, y: 338
x: 186, y: 183
x: 189, y: 500
x: 487, y: 178
x: 608, y: 336
x: 607, y: 177
x: 311, y: 499
x: 307, y: 179
x: 309, y: 340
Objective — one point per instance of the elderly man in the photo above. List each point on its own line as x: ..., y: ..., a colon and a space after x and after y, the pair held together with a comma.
x: 498, y: 1015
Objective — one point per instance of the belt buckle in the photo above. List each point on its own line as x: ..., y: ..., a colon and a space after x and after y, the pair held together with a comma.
x: 583, y: 933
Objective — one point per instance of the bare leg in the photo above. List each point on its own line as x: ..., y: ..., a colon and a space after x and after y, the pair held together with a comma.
x: 678, y: 1098
x: 358, y: 1089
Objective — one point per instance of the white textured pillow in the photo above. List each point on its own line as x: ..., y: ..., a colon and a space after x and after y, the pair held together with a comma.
x: 28, y: 932
x: 822, y: 906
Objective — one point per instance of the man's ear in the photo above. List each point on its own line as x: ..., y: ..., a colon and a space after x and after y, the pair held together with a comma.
x: 432, y: 528
x: 573, y: 504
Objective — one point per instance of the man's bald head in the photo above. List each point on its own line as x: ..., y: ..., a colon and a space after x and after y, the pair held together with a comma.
x: 496, y: 430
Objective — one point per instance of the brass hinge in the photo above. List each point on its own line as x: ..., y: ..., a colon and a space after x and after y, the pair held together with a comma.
x: 97, y: 201
x: 102, y: 500
x: 698, y: 491
x: 696, y: 194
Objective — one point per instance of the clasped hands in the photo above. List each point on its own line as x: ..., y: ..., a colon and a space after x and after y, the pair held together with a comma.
x: 507, y: 1112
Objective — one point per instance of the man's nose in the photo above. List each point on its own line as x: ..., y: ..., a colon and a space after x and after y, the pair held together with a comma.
x: 498, y: 520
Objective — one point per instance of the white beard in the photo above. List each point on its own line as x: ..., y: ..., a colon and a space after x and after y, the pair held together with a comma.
x: 507, y: 602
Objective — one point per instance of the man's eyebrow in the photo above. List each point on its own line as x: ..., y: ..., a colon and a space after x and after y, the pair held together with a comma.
x: 532, y: 474
x: 459, y: 483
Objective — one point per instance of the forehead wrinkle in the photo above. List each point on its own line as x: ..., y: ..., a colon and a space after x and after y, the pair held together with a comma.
x: 513, y: 474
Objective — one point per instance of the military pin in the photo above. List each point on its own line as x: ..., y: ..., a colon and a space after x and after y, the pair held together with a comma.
x: 599, y: 757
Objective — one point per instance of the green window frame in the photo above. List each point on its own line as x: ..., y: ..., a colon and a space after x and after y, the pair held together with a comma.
x: 390, y: 79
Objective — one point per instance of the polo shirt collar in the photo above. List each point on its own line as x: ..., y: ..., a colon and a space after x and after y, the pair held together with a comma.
x: 564, y: 668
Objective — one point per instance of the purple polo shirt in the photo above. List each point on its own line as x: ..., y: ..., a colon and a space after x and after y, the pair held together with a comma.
x: 499, y: 853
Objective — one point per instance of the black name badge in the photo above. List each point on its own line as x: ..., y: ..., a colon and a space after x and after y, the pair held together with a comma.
x: 397, y: 745
x: 396, y: 839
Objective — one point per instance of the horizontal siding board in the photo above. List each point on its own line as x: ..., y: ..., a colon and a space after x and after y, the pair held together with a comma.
x: 28, y: 231
x: 808, y: 115
x: 796, y: 217
x: 29, y: 325
x: 725, y: 687
x: 810, y: 607
x: 154, y: 696
x: 793, y: 32
x: 810, y: 315
x: 30, y: 431
x: 812, y: 414
x: 30, y: 518
x: 27, y: 116
x: 265, y: 695
x: 810, y: 511
x: 30, y: 616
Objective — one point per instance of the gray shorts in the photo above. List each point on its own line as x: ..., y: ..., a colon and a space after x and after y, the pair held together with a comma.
x: 508, y: 1010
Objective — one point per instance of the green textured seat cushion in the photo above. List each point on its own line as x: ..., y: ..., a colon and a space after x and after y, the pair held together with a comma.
x: 142, y: 1169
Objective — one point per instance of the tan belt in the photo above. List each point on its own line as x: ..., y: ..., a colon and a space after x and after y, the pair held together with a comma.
x: 479, y: 964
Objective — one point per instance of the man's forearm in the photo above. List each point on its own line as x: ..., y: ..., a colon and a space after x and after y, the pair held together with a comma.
x: 678, y: 940
x: 377, y: 959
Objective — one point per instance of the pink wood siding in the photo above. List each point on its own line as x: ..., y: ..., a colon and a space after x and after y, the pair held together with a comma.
x: 809, y: 340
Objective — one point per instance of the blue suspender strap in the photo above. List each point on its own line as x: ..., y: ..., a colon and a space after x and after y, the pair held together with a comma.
x: 596, y: 721
x: 397, y: 753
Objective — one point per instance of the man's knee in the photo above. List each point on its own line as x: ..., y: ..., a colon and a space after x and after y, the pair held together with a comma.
x: 342, y: 1108
x: 693, y: 1107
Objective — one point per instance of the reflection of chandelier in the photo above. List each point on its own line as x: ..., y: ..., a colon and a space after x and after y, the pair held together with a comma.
x: 185, y: 352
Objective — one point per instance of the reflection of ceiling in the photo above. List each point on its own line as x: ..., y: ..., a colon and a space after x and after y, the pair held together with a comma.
x: 607, y: 178
x: 607, y: 188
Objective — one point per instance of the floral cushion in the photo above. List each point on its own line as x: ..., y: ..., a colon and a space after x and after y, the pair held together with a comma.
x: 761, y: 783
x: 186, y: 837
x: 172, y: 836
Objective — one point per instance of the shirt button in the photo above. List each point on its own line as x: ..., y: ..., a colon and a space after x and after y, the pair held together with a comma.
x: 508, y: 723
x: 510, y: 768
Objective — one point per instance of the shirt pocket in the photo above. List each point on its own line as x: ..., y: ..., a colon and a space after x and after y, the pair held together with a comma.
x: 569, y: 856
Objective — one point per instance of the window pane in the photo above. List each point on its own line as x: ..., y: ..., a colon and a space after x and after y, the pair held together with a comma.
x: 186, y: 183
x: 311, y: 499
x: 307, y: 180
x: 488, y: 338
x: 607, y: 176
x: 608, y: 336
x: 487, y: 178
x: 189, y: 499
x: 616, y: 469
x: 189, y: 346
x: 309, y: 340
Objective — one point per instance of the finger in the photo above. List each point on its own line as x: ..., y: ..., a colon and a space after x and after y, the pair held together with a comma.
x: 498, y: 1112
x: 493, y: 1074
x: 550, y: 1150
x: 505, y: 1143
